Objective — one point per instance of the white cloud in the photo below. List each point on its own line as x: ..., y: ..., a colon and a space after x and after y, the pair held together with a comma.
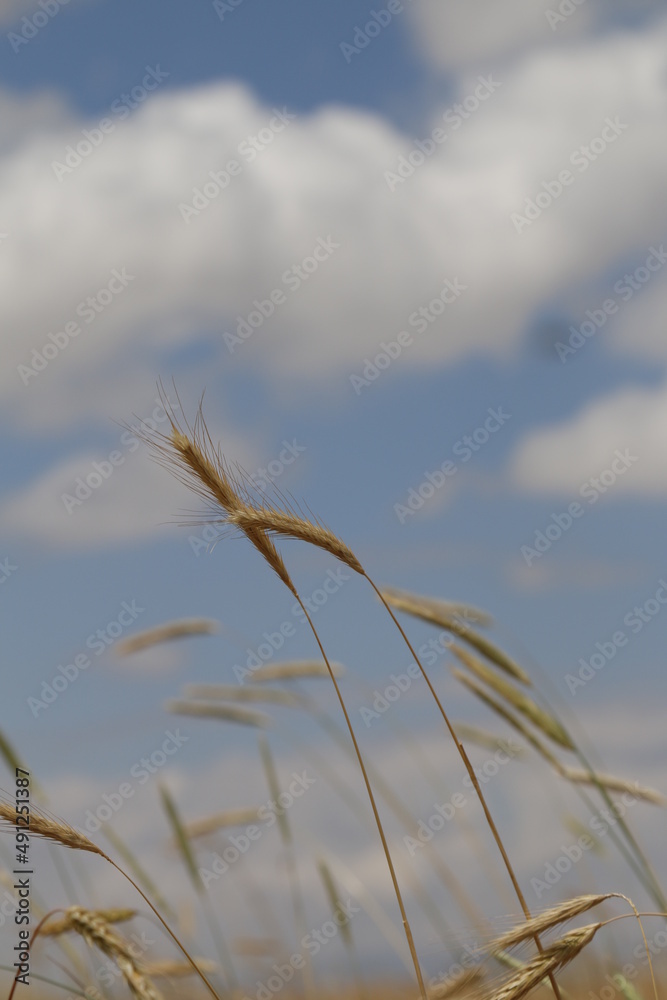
x: 21, y: 115
x: 560, y: 459
x: 133, y: 502
x: 461, y: 33
x: 575, y: 571
x: 87, y: 502
x: 322, y: 176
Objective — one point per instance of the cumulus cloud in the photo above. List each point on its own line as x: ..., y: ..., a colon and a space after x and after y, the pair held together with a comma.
x: 462, y: 33
x: 575, y: 571
x: 60, y: 508
x: 21, y: 115
x: 320, y: 182
x: 456, y: 34
x: 560, y: 459
x: 95, y: 500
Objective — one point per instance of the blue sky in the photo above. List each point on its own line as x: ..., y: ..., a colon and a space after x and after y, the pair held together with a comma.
x: 170, y: 288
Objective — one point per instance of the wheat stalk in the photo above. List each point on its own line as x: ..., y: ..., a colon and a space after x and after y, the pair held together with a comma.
x: 639, y: 863
x: 196, y: 462
x: 9, y: 755
x: 285, y: 829
x: 474, y: 780
x: 575, y: 776
x: 333, y: 899
x: 187, y: 854
x: 647, y: 876
x: 139, y: 872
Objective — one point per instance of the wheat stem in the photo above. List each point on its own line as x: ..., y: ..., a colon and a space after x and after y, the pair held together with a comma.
x: 285, y: 830
x: 473, y: 777
x: 166, y: 926
x: 376, y: 814
x: 32, y: 941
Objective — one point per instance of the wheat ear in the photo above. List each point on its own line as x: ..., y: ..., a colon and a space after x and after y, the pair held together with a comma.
x: 220, y: 821
x: 58, y: 832
x: 97, y: 931
x: 567, y: 911
x: 189, y: 453
x: 224, y: 713
x: 63, y: 924
x: 294, y: 670
x: 546, y: 964
x: 180, y: 629
x: 546, y: 920
x: 517, y: 699
x: 260, y: 694
x: 457, y: 622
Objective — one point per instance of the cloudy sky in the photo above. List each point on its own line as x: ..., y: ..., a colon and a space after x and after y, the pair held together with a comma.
x: 384, y: 239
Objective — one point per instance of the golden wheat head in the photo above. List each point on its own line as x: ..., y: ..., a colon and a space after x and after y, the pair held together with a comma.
x: 295, y: 670
x: 224, y: 713
x: 97, y: 932
x: 546, y: 920
x: 553, y: 959
x: 189, y: 453
x: 455, y: 619
x: 55, y: 830
x: 61, y: 925
x: 165, y: 633
x: 242, y: 816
